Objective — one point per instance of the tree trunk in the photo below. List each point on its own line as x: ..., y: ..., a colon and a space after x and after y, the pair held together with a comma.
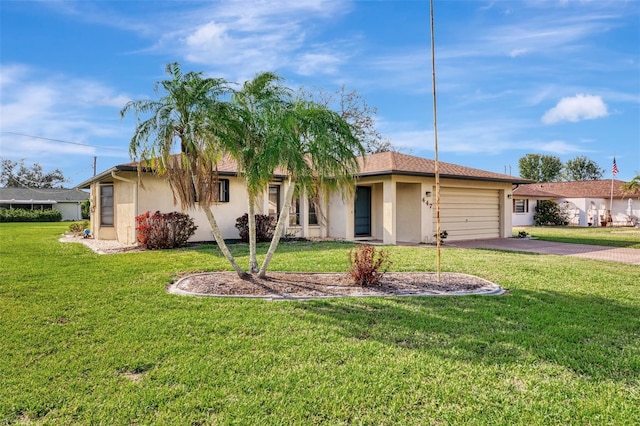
x: 217, y: 234
x: 253, y: 260
x: 279, y: 227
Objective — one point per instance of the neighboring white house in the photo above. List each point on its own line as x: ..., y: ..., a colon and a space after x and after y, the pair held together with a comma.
x: 66, y: 201
x: 587, y: 203
x: 393, y: 201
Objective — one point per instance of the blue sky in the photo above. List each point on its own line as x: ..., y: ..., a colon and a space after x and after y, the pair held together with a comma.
x: 513, y: 77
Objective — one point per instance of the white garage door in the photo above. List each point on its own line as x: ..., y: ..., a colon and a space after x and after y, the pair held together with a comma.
x: 469, y: 214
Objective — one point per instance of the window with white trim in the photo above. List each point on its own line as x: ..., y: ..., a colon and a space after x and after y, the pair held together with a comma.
x: 106, y: 205
x: 295, y: 211
x: 520, y: 206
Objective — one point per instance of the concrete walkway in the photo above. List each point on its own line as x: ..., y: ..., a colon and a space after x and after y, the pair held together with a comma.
x: 611, y: 254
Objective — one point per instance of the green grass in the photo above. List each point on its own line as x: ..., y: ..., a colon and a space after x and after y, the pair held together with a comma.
x: 90, y: 339
x: 612, y: 237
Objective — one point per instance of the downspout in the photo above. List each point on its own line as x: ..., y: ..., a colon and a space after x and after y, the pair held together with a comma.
x: 135, y: 200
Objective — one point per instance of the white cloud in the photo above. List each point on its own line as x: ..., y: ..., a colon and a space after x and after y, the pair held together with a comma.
x: 518, y: 52
x: 576, y: 108
x: 560, y: 147
x: 56, y: 107
x: 318, y: 63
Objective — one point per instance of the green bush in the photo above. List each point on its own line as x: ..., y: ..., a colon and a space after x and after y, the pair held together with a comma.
x: 85, y: 209
x: 548, y: 213
x: 22, y: 215
x: 79, y: 227
x: 265, y: 225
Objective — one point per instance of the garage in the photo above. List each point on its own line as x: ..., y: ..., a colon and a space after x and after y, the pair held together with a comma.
x: 469, y: 213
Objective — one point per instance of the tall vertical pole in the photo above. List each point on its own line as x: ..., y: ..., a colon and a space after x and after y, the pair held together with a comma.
x: 95, y: 159
x: 613, y: 176
x: 435, y: 142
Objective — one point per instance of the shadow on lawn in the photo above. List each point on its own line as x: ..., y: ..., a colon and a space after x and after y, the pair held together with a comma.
x: 592, y: 336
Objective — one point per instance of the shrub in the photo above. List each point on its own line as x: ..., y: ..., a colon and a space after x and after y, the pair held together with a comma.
x: 164, y: 230
x: 443, y: 235
x: 548, y: 213
x: 85, y: 209
x: 265, y: 225
x: 22, y: 215
x: 368, y: 265
x: 78, y: 227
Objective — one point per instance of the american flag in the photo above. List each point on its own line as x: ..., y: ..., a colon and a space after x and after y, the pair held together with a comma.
x: 614, y: 168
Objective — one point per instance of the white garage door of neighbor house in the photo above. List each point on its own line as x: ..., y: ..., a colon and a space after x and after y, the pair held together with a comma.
x: 469, y: 214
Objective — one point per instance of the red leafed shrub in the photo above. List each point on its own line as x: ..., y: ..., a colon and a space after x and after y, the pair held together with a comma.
x: 368, y: 265
x: 265, y: 225
x: 164, y: 230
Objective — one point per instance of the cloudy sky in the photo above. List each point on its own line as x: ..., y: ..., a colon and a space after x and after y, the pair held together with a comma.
x: 558, y: 77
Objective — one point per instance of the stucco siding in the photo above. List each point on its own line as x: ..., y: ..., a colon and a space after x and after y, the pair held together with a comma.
x: 526, y: 218
x: 157, y: 196
x: 408, y: 211
x: 340, y: 217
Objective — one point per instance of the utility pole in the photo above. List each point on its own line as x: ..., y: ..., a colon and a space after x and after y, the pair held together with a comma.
x: 94, y: 165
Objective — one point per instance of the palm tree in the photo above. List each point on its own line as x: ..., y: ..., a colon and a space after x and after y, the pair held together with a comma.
x: 255, y: 113
x: 189, y: 112
x: 633, y: 186
x: 317, y: 149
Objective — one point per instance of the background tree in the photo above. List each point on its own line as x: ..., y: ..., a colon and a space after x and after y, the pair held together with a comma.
x: 540, y: 168
x: 581, y: 168
x: 183, y: 119
x: 358, y: 114
x: 17, y: 175
x: 633, y: 186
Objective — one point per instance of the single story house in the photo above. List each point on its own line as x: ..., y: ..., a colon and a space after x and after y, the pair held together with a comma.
x: 586, y: 203
x: 66, y: 201
x: 394, y: 201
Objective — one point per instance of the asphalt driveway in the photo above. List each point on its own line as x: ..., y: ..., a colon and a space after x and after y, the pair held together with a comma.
x: 611, y: 254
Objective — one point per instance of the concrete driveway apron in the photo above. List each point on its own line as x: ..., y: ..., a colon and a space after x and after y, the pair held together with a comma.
x: 611, y: 254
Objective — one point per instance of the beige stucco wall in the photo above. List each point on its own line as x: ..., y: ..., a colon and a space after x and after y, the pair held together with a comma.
x: 402, y: 208
x: 154, y: 194
x: 225, y: 213
x: 408, y: 225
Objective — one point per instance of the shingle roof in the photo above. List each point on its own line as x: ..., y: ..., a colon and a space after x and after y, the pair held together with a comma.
x: 395, y: 162
x: 372, y: 165
x: 31, y: 194
x: 580, y: 189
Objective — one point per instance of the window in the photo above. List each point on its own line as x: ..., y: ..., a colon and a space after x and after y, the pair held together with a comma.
x: 294, y: 213
x: 223, y: 191
x: 313, y: 217
x: 223, y: 195
x: 274, y: 201
x: 521, y: 206
x: 106, y: 205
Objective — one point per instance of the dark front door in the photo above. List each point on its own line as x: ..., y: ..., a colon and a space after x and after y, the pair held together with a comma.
x: 363, y: 211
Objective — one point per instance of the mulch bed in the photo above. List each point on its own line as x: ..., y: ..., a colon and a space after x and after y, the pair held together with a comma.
x: 289, y: 285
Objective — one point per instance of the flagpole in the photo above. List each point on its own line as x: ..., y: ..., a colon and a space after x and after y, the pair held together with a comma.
x: 435, y: 142
x: 614, y: 171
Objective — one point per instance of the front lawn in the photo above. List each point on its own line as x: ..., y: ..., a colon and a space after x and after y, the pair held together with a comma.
x: 95, y: 339
x: 602, y: 236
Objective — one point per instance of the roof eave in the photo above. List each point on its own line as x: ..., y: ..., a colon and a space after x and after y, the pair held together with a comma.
x: 107, y: 173
x: 442, y: 175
